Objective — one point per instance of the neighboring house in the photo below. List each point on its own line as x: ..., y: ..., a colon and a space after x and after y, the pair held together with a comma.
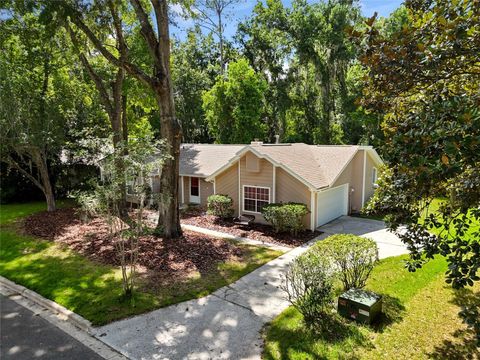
x: 331, y: 180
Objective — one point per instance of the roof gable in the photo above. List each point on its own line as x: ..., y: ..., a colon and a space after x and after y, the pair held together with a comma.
x: 203, y: 160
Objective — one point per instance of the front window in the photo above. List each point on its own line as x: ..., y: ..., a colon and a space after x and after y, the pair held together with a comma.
x: 374, y: 175
x: 255, y: 198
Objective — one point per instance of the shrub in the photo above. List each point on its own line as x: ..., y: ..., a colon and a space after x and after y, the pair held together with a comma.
x: 91, y: 203
x: 285, y: 216
x: 353, y: 257
x: 309, y: 287
x: 220, y: 205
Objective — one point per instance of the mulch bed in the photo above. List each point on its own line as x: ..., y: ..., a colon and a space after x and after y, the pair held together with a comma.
x: 265, y: 233
x: 179, y: 257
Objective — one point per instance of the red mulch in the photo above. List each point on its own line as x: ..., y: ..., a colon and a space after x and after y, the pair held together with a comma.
x: 265, y: 233
x: 179, y: 257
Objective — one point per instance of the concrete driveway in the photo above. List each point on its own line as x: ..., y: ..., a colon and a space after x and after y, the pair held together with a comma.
x: 388, y: 243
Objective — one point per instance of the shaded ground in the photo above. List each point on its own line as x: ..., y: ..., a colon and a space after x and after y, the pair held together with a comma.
x: 25, y: 336
x: 179, y: 257
x: 199, y: 217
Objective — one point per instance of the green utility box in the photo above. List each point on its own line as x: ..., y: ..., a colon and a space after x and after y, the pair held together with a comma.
x: 360, y: 305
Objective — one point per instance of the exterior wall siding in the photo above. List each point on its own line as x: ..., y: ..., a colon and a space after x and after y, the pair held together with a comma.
x: 227, y: 184
x: 289, y: 189
x: 353, y: 175
x: 206, y: 189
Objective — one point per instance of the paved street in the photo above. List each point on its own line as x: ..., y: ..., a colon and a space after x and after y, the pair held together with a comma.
x: 23, y: 335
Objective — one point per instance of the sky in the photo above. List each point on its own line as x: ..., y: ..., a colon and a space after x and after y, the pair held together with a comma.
x: 244, y: 10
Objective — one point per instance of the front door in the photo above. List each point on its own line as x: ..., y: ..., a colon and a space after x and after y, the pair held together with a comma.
x: 194, y: 190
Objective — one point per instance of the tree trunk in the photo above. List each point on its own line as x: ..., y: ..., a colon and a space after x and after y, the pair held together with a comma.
x: 41, y: 164
x: 117, y: 118
x: 168, y: 207
x: 170, y: 130
x: 158, y: 44
x: 220, y: 36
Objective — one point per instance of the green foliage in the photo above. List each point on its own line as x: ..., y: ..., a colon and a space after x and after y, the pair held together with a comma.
x: 268, y: 49
x: 220, y: 205
x: 233, y: 106
x: 194, y: 69
x: 43, y: 98
x: 309, y: 288
x: 432, y: 126
x: 353, y: 257
x: 285, y: 216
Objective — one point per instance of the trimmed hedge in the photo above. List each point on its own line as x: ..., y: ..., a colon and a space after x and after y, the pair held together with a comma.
x: 286, y: 216
x: 220, y: 205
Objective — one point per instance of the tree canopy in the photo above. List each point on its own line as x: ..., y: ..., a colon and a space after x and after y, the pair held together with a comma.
x: 233, y: 105
x: 425, y: 79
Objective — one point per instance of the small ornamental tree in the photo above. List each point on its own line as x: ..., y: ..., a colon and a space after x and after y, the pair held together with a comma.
x: 353, y: 257
x: 220, y: 205
x: 141, y: 160
x: 286, y: 217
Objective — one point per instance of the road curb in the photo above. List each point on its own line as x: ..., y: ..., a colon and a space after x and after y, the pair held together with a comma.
x: 66, y: 315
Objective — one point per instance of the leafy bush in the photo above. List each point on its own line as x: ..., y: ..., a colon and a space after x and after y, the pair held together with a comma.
x: 353, y: 257
x: 91, y: 203
x: 285, y: 216
x: 309, y: 287
x: 220, y: 205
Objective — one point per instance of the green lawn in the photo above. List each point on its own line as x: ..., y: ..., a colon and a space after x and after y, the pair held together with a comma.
x: 421, y: 321
x: 94, y: 290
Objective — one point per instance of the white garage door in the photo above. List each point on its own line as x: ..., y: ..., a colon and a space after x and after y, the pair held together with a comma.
x: 331, y: 204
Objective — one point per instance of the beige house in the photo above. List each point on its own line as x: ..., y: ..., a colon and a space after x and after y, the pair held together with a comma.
x: 331, y: 180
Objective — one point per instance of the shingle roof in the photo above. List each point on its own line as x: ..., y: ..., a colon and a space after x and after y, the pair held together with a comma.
x: 205, y: 159
x: 318, y: 165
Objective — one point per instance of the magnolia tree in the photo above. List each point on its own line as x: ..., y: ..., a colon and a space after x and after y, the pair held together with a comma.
x: 425, y: 79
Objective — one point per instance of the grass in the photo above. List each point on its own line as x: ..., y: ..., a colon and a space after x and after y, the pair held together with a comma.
x: 420, y: 321
x: 435, y: 205
x: 94, y: 290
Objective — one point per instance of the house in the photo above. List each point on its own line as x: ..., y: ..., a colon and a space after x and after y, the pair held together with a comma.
x: 331, y: 180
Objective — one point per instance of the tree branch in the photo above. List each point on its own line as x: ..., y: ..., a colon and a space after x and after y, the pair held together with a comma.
x: 105, y: 98
x: 147, y: 31
x: 132, y: 69
x: 13, y: 164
